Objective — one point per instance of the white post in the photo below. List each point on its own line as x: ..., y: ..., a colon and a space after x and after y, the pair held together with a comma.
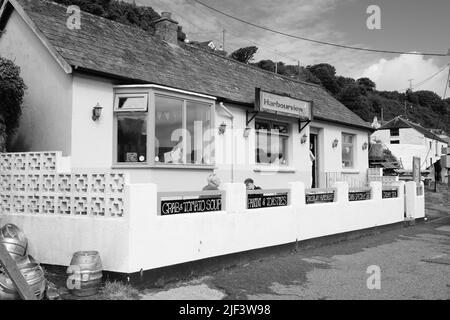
x: 376, y: 190
x: 411, y: 199
x: 342, y: 192
x: 297, y: 194
x: 235, y: 197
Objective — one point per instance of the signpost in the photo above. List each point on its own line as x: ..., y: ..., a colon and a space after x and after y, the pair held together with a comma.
x: 416, y: 170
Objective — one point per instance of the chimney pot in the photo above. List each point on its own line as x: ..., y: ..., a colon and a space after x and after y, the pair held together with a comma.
x: 166, y: 15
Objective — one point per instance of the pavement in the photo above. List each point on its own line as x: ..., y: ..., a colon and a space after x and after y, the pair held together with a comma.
x: 403, y: 263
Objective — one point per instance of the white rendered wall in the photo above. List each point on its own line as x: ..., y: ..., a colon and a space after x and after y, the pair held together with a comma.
x: 45, y: 123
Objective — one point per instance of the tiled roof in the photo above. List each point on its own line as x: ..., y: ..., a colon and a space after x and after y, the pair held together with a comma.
x: 114, y: 49
x: 399, y: 123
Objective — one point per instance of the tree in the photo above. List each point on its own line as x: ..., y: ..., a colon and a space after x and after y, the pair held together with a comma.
x: 326, y: 73
x: 366, y: 85
x: 12, y: 89
x: 244, y: 54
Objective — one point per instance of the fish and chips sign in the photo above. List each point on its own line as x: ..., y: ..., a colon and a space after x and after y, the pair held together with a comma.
x: 282, y: 105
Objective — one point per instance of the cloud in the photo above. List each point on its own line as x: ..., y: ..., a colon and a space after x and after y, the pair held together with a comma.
x: 393, y: 74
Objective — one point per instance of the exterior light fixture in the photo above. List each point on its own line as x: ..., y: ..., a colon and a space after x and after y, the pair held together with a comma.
x: 335, y: 143
x: 365, y: 146
x: 222, y: 128
x: 247, y: 132
x: 96, y: 112
x: 304, y: 139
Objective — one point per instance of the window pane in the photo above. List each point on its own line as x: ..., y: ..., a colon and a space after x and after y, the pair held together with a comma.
x: 199, y: 136
x: 169, y: 144
x: 280, y: 128
x: 130, y: 102
x: 347, y: 150
x: 132, y: 138
x: 271, y: 149
x: 262, y: 126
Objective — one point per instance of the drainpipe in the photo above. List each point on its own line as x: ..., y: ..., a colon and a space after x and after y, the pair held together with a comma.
x: 231, y: 116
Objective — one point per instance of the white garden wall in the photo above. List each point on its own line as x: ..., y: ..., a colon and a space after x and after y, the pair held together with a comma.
x: 135, y: 237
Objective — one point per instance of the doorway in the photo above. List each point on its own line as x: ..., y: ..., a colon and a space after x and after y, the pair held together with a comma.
x: 313, y: 140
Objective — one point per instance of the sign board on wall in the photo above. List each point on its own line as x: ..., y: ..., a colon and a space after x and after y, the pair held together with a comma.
x: 416, y: 170
x: 283, y: 105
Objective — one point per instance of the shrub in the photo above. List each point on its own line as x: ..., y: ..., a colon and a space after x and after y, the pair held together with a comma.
x: 12, y: 89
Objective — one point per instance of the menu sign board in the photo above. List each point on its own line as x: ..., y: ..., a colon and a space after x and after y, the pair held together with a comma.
x: 319, y: 197
x: 388, y: 194
x: 204, y: 204
x: 256, y: 201
x: 359, y: 196
x: 282, y: 105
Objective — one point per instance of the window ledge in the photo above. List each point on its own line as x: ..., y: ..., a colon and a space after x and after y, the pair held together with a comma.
x: 164, y: 166
x: 280, y: 169
x: 351, y: 171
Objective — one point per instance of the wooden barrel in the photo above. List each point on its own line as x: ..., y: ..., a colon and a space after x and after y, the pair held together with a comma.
x: 33, y: 274
x: 85, y: 273
x: 14, y: 240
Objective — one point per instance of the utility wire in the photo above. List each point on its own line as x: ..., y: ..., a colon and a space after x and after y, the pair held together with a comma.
x: 281, y: 54
x: 317, y: 41
x: 431, y: 77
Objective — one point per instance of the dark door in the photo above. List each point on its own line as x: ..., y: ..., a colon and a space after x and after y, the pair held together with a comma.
x: 313, y: 149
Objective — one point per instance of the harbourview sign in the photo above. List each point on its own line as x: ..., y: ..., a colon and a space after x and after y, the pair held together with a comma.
x: 283, y: 105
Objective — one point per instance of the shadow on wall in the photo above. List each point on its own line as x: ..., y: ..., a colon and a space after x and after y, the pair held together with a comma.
x: 17, y: 143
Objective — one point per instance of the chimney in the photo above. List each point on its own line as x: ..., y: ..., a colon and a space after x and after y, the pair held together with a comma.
x: 166, y: 28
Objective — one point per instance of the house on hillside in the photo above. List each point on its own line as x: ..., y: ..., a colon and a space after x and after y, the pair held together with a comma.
x: 406, y: 140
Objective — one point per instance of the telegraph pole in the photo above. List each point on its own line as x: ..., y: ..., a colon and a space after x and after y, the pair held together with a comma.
x: 410, y: 83
x: 223, y: 39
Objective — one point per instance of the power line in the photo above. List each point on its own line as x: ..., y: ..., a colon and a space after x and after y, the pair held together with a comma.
x: 317, y: 41
x: 281, y: 54
x: 430, y: 78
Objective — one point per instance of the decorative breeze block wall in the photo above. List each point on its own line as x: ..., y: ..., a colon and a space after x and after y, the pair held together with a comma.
x: 31, y: 184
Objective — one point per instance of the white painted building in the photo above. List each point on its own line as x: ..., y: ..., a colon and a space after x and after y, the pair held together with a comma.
x: 406, y: 140
x: 139, y: 121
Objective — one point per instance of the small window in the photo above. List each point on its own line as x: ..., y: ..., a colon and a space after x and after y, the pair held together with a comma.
x: 395, y: 132
x: 271, y: 142
x: 395, y: 142
x: 348, y: 141
x: 131, y: 102
x: 132, y: 138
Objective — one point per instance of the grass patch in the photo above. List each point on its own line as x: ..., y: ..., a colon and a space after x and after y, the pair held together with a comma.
x: 117, y: 290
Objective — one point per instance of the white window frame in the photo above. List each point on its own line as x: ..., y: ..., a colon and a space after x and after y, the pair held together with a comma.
x: 151, y: 92
x: 130, y: 95
x: 353, y: 146
x: 271, y: 123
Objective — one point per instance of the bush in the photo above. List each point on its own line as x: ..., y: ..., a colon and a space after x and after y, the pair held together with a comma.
x: 12, y: 89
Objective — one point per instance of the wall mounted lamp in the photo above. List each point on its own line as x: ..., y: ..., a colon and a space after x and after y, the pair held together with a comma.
x: 304, y: 139
x: 247, y: 132
x: 335, y: 143
x: 222, y: 128
x: 365, y: 146
x: 96, y: 112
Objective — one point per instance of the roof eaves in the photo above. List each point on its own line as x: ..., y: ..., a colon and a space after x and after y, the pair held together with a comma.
x: 59, y: 59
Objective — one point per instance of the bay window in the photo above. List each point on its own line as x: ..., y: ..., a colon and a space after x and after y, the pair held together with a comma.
x: 175, y: 129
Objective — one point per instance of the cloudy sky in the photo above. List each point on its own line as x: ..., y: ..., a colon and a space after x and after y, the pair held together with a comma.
x: 406, y: 25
